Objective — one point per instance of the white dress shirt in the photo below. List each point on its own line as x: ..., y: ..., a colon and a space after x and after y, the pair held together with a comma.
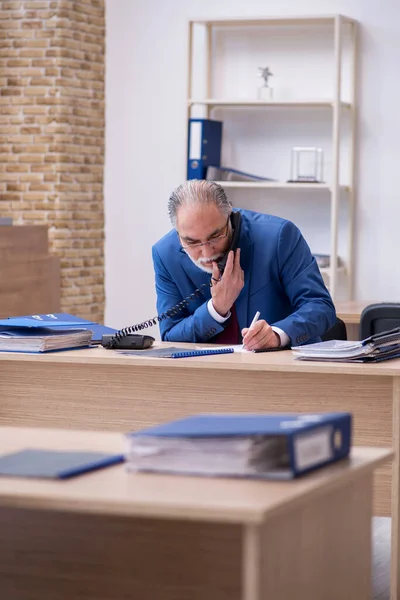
x: 215, y: 315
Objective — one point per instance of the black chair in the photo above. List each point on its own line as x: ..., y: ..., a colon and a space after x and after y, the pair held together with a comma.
x: 337, y: 332
x: 376, y: 318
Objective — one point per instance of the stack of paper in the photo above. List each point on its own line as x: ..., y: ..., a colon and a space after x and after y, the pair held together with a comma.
x: 376, y: 348
x: 42, y: 339
x: 279, y: 446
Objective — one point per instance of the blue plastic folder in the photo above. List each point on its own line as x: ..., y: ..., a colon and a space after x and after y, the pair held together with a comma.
x: 55, y: 321
x: 54, y: 464
x: 265, y: 446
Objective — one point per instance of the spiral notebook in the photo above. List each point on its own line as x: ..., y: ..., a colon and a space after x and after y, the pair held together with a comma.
x: 176, y: 352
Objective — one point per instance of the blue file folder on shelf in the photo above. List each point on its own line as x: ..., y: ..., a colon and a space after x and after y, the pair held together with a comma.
x: 204, y: 146
x: 260, y: 446
x: 55, y: 321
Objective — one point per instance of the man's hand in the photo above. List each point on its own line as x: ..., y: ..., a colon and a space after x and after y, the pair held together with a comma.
x: 259, y: 336
x: 227, y: 288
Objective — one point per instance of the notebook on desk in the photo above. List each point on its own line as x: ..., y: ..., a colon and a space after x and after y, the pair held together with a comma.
x: 54, y: 464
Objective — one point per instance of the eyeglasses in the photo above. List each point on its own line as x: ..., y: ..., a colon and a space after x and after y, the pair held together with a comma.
x: 215, y: 239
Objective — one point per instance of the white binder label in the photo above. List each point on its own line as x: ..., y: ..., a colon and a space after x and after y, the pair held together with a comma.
x: 312, y: 448
x: 195, y: 140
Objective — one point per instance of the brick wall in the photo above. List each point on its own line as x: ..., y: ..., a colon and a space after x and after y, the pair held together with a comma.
x: 52, y: 135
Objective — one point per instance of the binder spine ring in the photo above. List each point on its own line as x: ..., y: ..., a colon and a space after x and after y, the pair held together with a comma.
x: 175, y: 310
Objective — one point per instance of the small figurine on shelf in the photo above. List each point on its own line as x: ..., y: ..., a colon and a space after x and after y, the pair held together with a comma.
x: 265, y: 92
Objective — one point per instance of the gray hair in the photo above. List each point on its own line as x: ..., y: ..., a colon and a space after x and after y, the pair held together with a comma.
x: 201, y: 192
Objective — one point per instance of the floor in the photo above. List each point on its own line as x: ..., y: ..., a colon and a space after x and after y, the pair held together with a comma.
x: 381, y: 558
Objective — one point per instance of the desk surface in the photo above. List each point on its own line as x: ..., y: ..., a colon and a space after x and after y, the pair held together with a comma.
x: 247, y: 361
x: 115, y: 491
x: 350, y: 311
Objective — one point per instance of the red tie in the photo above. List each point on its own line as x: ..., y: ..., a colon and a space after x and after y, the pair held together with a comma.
x: 231, y: 333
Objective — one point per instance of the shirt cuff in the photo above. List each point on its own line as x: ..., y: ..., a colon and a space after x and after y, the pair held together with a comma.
x: 216, y: 316
x: 285, y: 339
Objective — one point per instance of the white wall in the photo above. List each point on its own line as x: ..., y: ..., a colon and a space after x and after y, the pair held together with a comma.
x: 146, y: 69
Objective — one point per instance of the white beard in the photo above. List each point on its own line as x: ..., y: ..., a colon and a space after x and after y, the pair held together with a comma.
x: 200, y: 262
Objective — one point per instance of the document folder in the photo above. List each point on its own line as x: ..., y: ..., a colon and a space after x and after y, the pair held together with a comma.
x: 57, y: 320
x: 265, y: 446
x: 376, y: 348
x: 204, y: 146
x: 54, y: 464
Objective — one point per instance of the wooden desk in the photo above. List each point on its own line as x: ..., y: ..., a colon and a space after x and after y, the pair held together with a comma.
x: 114, y: 535
x: 350, y: 313
x: 100, y: 389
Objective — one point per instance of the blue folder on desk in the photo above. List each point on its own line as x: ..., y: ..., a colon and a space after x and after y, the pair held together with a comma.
x: 55, y: 321
x: 265, y: 446
x: 54, y: 464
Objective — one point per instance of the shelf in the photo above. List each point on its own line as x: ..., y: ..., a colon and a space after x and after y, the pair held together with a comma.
x: 280, y: 185
x: 279, y: 20
x: 332, y: 99
x: 327, y: 270
x: 267, y: 103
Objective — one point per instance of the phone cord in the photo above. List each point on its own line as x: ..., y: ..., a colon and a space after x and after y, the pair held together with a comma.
x: 175, y: 310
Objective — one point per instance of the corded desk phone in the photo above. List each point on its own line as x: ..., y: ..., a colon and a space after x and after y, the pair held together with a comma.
x: 126, y: 339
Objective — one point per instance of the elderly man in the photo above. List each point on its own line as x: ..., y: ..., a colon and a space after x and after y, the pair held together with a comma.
x: 270, y: 269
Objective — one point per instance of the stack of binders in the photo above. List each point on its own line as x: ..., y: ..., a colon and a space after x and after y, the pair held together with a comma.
x: 376, y: 348
x: 259, y: 446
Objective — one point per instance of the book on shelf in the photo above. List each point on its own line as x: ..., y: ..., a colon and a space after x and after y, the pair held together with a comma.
x: 376, y: 348
x: 260, y: 446
x: 42, y: 339
x: 324, y: 260
x: 216, y: 173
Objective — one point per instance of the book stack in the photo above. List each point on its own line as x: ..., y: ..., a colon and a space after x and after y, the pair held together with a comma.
x: 260, y: 446
x: 376, y: 348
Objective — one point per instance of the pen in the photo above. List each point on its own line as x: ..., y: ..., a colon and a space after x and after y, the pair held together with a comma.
x: 254, y: 321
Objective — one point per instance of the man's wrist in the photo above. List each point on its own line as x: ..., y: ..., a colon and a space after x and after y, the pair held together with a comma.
x: 215, y: 314
x: 221, y: 310
x: 283, y: 337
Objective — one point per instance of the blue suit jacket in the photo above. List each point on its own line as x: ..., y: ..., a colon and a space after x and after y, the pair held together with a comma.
x: 281, y: 280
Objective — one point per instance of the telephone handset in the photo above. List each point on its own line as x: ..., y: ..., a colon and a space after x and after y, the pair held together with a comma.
x: 236, y: 218
x: 126, y: 338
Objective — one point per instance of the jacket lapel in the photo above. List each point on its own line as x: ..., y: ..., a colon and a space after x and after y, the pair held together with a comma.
x: 242, y: 303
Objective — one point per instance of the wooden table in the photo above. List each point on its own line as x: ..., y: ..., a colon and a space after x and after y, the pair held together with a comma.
x: 100, y: 389
x: 114, y: 535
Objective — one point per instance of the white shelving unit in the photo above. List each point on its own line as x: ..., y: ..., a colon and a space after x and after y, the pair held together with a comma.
x: 339, y: 27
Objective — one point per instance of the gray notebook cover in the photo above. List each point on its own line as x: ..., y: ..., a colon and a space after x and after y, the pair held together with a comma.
x: 53, y: 464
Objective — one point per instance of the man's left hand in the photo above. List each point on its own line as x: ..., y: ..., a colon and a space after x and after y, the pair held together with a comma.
x: 259, y: 336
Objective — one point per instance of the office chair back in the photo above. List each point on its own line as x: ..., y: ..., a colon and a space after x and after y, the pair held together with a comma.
x: 376, y: 318
x: 337, y: 332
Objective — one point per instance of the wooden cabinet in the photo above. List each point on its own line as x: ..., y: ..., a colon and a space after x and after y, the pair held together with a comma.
x: 29, y: 275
